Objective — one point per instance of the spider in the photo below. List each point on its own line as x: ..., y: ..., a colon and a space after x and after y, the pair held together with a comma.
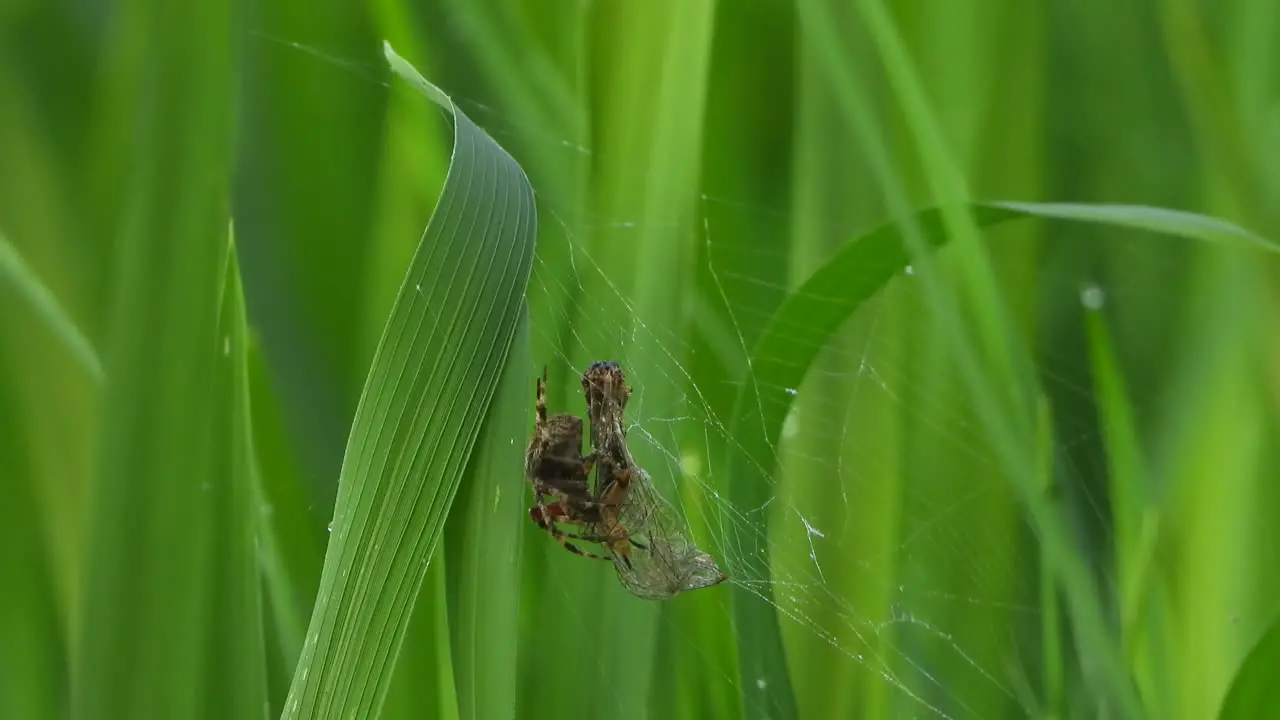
x: 555, y: 466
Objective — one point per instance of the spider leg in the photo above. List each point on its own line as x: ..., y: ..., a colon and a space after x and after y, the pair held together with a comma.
x: 540, y: 408
x: 543, y: 519
x: 546, y: 518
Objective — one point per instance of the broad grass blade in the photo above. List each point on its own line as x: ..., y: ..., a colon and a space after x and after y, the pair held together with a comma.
x: 433, y: 378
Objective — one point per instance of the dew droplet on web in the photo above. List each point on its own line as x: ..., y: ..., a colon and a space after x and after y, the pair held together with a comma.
x: 330, y: 526
x: 1092, y: 297
x: 418, y: 287
x: 908, y: 270
x: 791, y: 391
x: 762, y: 683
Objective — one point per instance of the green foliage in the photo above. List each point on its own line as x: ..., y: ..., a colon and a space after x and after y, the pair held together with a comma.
x: 956, y: 466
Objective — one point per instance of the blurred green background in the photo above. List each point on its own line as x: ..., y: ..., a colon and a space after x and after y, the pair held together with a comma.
x: 164, y: 514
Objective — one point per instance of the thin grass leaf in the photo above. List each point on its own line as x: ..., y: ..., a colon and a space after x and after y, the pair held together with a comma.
x: 1176, y: 223
x: 809, y: 315
x: 1135, y: 514
x: 236, y: 676
x: 290, y: 549
x: 431, y: 385
x: 22, y: 279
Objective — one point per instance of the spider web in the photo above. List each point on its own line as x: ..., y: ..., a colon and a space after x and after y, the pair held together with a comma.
x: 879, y: 552
x: 872, y: 553
x: 893, y: 546
x: 813, y: 551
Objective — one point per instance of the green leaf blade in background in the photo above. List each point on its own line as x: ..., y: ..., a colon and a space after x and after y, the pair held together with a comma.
x: 1254, y: 692
x: 431, y: 384
x: 655, y: 99
x: 144, y: 642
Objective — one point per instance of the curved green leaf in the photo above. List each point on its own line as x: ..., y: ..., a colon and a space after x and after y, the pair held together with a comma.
x: 803, y: 324
x: 1254, y: 693
x: 431, y: 385
x: 1177, y: 223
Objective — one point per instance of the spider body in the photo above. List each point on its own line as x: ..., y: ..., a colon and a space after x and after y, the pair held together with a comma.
x: 556, y: 468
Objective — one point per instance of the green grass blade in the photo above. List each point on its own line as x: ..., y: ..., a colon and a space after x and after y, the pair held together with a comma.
x: 16, y: 274
x: 1134, y: 512
x: 290, y: 545
x: 146, y: 621
x: 431, y: 385
x: 236, y: 681
x: 1176, y: 223
x: 1254, y: 693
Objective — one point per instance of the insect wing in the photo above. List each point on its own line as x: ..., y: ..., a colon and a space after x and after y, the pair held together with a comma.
x: 669, y: 563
